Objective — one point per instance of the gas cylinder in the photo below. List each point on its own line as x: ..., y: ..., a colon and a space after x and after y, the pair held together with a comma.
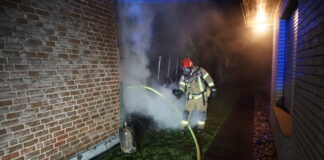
x: 126, y: 136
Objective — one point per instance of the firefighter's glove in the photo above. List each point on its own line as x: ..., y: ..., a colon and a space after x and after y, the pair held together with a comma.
x: 213, y: 92
x: 177, y: 92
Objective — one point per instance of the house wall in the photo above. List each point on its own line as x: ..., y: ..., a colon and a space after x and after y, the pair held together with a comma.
x: 59, y: 86
x: 306, y: 106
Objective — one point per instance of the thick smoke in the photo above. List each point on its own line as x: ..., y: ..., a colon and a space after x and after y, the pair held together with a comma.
x: 135, y: 28
x: 173, y: 29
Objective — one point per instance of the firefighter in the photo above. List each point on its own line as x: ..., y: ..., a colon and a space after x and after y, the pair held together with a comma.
x: 197, y: 85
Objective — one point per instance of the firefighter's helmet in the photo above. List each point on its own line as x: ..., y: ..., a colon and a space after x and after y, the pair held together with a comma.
x: 187, y: 66
x: 187, y: 63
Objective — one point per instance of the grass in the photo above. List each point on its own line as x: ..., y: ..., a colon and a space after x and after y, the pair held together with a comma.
x: 170, y: 144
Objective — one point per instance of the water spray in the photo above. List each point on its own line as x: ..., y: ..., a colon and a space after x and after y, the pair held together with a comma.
x: 173, y: 106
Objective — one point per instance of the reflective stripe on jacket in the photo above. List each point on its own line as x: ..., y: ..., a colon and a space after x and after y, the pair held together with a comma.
x: 197, y: 83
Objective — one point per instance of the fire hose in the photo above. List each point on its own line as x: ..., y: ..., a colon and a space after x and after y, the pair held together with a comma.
x: 172, y: 105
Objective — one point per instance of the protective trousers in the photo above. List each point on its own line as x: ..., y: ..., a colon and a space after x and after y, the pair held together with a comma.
x: 195, y: 102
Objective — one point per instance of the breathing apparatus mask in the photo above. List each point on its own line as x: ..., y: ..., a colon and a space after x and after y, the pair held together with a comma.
x: 187, y: 71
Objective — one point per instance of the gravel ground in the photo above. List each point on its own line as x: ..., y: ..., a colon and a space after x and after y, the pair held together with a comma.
x: 263, y: 143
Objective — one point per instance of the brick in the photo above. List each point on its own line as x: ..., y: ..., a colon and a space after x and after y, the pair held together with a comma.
x: 4, y: 74
x: 11, y: 156
x: 75, y: 92
x: 18, y: 107
x: 59, y: 133
x: 60, y: 116
x: 27, y: 150
x: 43, y: 115
x: 28, y: 118
x: 2, y: 117
x: 32, y: 154
x: 42, y: 12
x: 41, y: 156
x: 63, y: 56
x: 14, y: 148
x: 13, y: 142
x: 26, y: 138
x: 51, y: 152
x: 64, y: 147
x: 21, y: 100
x: 8, y: 95
x: 4, y: 145
x: 56, y: 156
x: 34, y: 42
x: 9, y: 4
x: 5, y: 103
x: 21, y: 21
x: 33, y: 123
x: 20, y: 158
x: 11, y: 53
x: 49, y: 141
x: 41, y: 133
x: 36, y: 104
x: 47, y: 49
x: 49, y: 32
x: 41, y: 55
x: 37, y: 128
x: 32, y: 17
x: 14, y: 81
x: 46, y: 120
x: 13, y: 115
x: 33, y: 73
x: 75, y: 72
x: 6, y: 138
x: 3, y: 60
x: 64, y: 136
x: 53, y: 38
x: 15, y: 60
x: 47, y: 148
x: 54, y: 129
x: 75, y: 41
x: 50, y: 44
x: 29, y: 143
x: 20, y: 87
x: 53, y: 124
x: 60, y: 143
x: 61, y: 28
x: 3, y: 132
x: 21, y: 67
x: 18, y: 74
x: 17, y: 128
x: 45, y: 138
x: 26, y: 8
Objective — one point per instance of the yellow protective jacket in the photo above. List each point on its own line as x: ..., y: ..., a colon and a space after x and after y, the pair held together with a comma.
x: 197, y: 83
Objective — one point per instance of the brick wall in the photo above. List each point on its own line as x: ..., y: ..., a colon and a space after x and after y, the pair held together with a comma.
x: 59, y: 86
x: 307, y: 140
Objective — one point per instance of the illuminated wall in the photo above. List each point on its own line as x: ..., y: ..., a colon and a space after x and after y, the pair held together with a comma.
x: 298, y: 79
x: 280, y: 61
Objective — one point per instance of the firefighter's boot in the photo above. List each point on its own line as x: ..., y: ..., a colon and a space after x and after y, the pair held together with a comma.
x: 185, y: 121
x: 184, y: 126
x: 201, y: 126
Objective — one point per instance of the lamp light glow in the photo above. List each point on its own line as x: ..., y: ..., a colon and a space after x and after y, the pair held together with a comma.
x: 258, y: 14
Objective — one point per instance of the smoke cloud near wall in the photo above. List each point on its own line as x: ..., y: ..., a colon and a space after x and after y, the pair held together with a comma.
x: 174, y: 29
x: 147, y: 31
x: 135, y: 32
